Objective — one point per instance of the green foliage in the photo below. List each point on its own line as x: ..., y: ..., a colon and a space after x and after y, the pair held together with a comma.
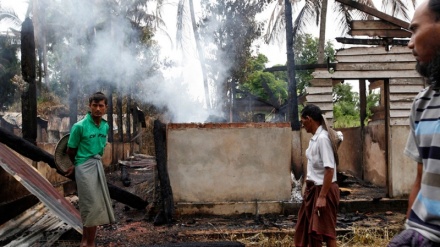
x: 346, y: 110
x: 373, y: 100
x: 9, y: 67
x: 277, y: 87
x: 306, y: 52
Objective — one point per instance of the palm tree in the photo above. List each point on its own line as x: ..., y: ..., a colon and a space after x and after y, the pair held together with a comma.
x: 201, y: 54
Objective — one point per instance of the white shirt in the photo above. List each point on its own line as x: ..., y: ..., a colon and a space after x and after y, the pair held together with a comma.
x: 320, y: 155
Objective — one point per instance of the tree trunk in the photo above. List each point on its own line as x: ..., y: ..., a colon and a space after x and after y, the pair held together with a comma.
x: 293, y: 97
x: 201, y: 54
x: 29, y: 97
x: 322, y: 26
x: 179, y: 31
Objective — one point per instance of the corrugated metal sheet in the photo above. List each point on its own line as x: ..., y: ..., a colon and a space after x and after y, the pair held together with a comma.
x: 36, y: 225
x: 40, y: 187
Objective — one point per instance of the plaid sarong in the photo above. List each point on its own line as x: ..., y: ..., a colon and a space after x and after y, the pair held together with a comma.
x: 311, y: 227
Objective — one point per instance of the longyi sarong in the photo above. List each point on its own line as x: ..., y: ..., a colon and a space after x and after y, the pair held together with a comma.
x: 95, y: 204
x: 311, y: 227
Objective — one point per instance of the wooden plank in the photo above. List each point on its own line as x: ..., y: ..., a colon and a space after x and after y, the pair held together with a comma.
x: 376, y: 58
x: 326, y: 106
x: 372, y: 24
x: 405, y: 89
x: 408, y: 81
x: 399, y: 121
x: 319, y: 90
x: 324, y: 82
x: 375, y: 66
x: 402, y: 97
x: 373, y: 42
x: 373, y: 50
x: 398, y: 105
x: 383, y: 33
x: 345, y: 75
x: 399, y: 113
x: 320, y: 98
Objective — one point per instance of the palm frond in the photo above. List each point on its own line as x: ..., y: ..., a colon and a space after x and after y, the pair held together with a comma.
x: 343, y: 17
x: 298, y: 25
x: 276, y: 23
x: 397, y: 8
x: 306, y: 15
x: 9, y: 17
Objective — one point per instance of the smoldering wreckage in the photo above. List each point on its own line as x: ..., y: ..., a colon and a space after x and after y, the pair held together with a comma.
x: 159, y: 202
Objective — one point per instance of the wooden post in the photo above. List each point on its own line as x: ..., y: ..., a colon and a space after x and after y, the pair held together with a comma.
x: 29, y: 97
x: 165, y: 215
x: 363, y: 101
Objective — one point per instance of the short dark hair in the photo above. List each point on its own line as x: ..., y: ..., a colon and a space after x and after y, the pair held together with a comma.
x: 98, y: 96
x: 312, y: 111
x: 434, y: 6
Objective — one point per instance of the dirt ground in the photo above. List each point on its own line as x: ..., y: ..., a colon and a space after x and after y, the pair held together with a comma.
x: 136, y: 227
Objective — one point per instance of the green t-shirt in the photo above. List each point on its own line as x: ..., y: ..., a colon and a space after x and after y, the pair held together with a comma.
x: 88, y: 138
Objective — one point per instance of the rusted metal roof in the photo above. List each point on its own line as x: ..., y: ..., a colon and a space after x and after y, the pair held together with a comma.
x: 36, y: 225
x: 39, y: 186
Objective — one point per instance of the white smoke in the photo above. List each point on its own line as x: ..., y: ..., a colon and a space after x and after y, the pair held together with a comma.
x: 114, y: 57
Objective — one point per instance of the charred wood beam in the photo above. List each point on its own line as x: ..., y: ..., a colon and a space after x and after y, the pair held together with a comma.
x: 375, y: 13
x: 27, y: 149
x: 29, y: 96
x: 302, y: 67
x: 165, y: 215
x: 402, y: 42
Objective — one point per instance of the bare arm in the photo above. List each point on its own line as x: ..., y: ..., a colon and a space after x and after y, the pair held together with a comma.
x: 415, y: 188
x: 328, y: 176
x: 71, y: 152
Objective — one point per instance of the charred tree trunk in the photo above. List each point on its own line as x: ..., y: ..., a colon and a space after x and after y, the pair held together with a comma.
x: 34, y: 153
x: 29, y: 96
x: 165, y: 215
x: 293, y: 97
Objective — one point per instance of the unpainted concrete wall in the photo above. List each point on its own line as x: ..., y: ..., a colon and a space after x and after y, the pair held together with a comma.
x: 350, y: 152
x: 402, y: 170
x: 238, y: 162
x: 375, y: 156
